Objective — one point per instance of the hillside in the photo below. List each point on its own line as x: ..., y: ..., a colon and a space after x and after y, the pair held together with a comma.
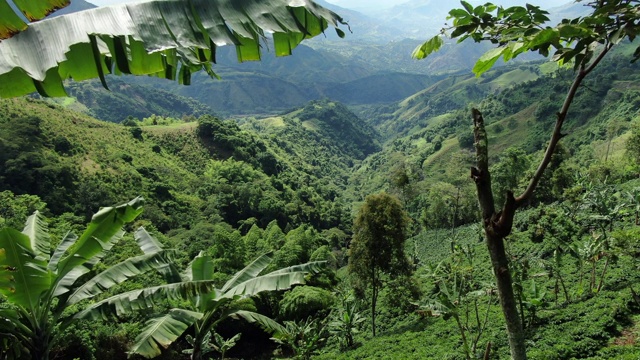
x: 455, y: 91
x: 61, y: 155
x: 429, y: 132
x: 127, y: 98
x: 319, y: 129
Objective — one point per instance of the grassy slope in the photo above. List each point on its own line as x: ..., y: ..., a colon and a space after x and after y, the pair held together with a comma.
x: 98, y: 142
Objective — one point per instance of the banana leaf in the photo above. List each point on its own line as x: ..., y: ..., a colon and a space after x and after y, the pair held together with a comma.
x: 164, y: 38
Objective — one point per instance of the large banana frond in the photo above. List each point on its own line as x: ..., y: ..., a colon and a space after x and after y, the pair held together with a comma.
x: 68, y: 240
x: 12, y: 323
x: 249, y: 272
x: 65, y: 280
x: 119, y: 273
x: 266, y: 323
x: 282, y: 279
x: 97, y: 238
x: 23, y: 275
x: 312, y: 267
x: 149, y: 245
x: 11, y: 23
x: 161, y: 331
x: 266, y: 283
x: 202, y: 268
x: 36, y: 229
x: 130, y: 301
x: 168, y: 39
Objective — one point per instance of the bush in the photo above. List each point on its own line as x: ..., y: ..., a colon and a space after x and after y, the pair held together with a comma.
x: 305, y: 301
x: 465, y: 139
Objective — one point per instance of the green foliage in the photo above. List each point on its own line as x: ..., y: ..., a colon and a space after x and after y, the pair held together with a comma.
x: 459, y: 294
x: 508, y: 172
x: 377, y: 247
x: 306, y: 301
x: 356, y: 139
x: 43, y: 287
x: 14, y: 209
x: 345, y: 322
x: 517, y: 30
x: 78, y: 55
x: 212, y: 304
x: 303, y: 338
x: 129, y: 99
x: 633, y: 143
x: 218, y: 344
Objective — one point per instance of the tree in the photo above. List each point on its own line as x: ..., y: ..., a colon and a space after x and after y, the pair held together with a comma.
x: 377, y: 247
x: 168, y: 39
x: 582, y: 42
x: 212, y: 305
x: 42, y: 288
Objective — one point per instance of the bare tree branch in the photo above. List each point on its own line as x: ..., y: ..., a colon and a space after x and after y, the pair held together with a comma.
x: 561, y: 116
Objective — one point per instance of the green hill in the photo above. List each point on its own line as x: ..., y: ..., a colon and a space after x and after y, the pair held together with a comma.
x: 73, y: 162
x: 127, y: 98
x: 425, y: 130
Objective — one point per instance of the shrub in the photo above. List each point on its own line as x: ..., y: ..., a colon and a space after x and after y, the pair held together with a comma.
x: 305, y: 301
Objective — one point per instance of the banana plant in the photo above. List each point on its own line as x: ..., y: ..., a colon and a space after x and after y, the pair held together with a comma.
x: 303, y: 338
x: 163, y: 38
x: 346, y: 322
x: 40, y: 285
x: 209, y: 305
x: 213, y: 343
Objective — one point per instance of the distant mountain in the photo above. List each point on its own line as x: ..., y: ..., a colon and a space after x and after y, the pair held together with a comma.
x: 363, y: 27
x: 75, y: 6
x: 128, y: 98
x: 452, y: 92
x: 306, y: 66
x: 379, y: 88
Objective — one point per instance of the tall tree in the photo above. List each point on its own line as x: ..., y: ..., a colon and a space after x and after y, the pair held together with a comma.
x: 581, y: 42
x: 377, y: 247
x: 168, y: 39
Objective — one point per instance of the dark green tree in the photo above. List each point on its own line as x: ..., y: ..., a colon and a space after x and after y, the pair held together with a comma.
x: 377, y: 248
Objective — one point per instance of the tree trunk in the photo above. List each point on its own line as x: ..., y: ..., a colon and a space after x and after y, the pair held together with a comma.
x: 463, y: 335
x: 497, y: 226
x: 197, y: 352
x: 564, y: 288
x: 507, y: 299
x: 374, y: 299
x: 604, y: 272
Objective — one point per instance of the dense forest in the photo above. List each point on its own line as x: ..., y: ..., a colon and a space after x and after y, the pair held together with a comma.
x: 341, y: 223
